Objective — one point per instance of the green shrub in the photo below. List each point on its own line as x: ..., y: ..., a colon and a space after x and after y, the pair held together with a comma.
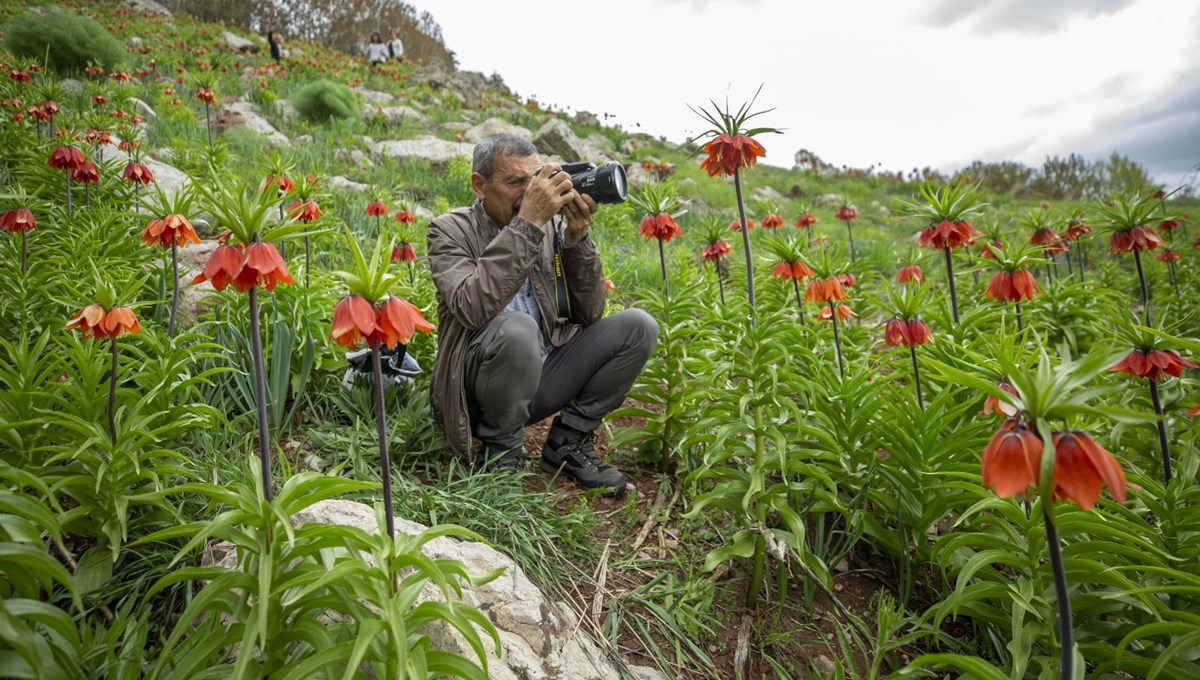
x: 70, y: 40
x: 321, y: 100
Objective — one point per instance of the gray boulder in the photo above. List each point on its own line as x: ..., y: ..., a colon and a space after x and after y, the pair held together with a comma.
x: 341, y: 182
x: 393, y: 116
x: 285, y: 110
x: 374, y: 97
x: 586, y: 118
x: 237, y: 112
x: 239, y: 43
x: 495, y: 126
x: 148, y: 7
x: 142, y: 109
x: 556, y: 137
x: 438, y: 152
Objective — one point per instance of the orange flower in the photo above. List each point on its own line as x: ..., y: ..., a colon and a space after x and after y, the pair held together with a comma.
x: 405, y: 217
x: 262, y: 266
x: 609, y: 285
x: 1077, y: 231
x: 170, y: 229
x: 283, y: 184
x: 993, y: 405
x: 714, y: 252
x: 736, y: 225
x: 404, y: 253
x: 1012, y: 286
x: 17, y: 220
x: 396, y: 322
x: 806, y: 220
x: 661, y: 227
x: 1168, y: 256
x: 1168, y: 225
x: 1011, y: 460
x: 222, y: 268
x: 826, y: 290
x: 94, y: 322
x: 947, y: 234
x: 727, y: 154
x: 353, y: 320
x: 376, y: 209
x: 1081, y: 467
x: 87, y: 172
x: 792, y: 270
x: 205, y: 94
x: 772, y: 221
x: 137, y: 173
x: 1154, y: 364
x: 66, y: 158
x: 920, y: 332
x: 910, y: 274
x: 847, y: 213
x: 844, y: 313
x: 1139, y: 238
x: 895, y: 333
x: 308, y: 211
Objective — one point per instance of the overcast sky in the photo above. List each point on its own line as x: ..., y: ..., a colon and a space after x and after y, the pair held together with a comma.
x: 905, y: 84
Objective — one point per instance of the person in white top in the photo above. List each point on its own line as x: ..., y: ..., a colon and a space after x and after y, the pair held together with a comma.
x: 377, y: 50
x: 395, y: 47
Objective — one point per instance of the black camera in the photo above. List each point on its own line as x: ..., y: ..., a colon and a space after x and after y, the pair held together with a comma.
x: 605, y: 183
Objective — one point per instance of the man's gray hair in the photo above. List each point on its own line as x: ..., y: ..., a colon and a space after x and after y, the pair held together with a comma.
x: 484, y: 159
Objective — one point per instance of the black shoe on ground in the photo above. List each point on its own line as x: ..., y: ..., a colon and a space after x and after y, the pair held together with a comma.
x: 494, y: 458
x: 573, y: 453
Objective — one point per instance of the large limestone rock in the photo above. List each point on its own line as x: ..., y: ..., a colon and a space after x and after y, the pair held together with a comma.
x: 393, y: 116
x: 171, y: 179
x: 495, y: 126
x: 148, y: 7
x: 237, y: 112
x: 239, y: 43
x: 194, y: 298
x: 438, y: 152
x: 556, y: 137
x: 341, y: 182
x: 768, y: 194
x: 469, y: 86
x: 540, y: 638
x: 374, y: 97
x: 586, y: 118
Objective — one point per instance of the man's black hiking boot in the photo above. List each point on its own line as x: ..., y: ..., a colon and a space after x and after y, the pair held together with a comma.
x: 573, y: 453
x: 494, y: 458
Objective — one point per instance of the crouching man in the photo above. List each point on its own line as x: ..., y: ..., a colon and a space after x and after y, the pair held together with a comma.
x: 516, y: 342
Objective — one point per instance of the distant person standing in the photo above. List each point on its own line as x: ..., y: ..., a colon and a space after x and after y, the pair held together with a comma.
x: 395, y: 47
x: 274, y: 40
x: 377, y: 50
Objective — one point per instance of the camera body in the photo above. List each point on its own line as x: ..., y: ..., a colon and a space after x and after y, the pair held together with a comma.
x: 605, y: 183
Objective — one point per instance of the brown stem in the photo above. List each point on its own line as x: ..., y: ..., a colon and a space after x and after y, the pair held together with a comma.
x: 917, y: 376
x: 385, y: 462
x: 1164, y: 444
x: 1066, y: 626
x: 662, y: 262
x: 112, y: 397
x: 737, y: 186
x: 953, y: 292
x: 260, y: 394
x: 1137, y: 258
x: 837, y: 339
x: 799, y: 300
x: 175, y: 294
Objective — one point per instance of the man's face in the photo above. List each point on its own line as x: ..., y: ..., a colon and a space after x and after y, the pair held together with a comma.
x: 502, y: 194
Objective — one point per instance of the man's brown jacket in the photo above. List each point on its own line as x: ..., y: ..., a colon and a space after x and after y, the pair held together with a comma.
x: 478, y: 265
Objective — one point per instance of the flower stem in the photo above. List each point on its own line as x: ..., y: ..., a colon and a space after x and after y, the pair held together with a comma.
x: 175, y: 294
x: 260, y: 394
x: 1020, y: 325
x: 24, y: 255
x: 1163, y: 443
x: 1137, y: 258
x: 1174, y: 279
x: 662, y: 262
x: 737, y: 186
x: 837, y: 338
x: 799, y: 301
x: 950, y: 277
x: 67, y: 172
x: 850, y: 237
x: 720, y: 283
x: 208, y: 123
x: 385, y: 462
x: 917, y: 376
x: 112, y: 396
x: 1066, y: 626
x: 307, y: 256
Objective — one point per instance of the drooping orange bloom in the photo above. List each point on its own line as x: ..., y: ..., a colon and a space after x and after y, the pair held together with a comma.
x: 920, y: 332
x: 263, y: 266
x: 1155, y: 364
x: 1081, y: 467
x: 19, y: 76
x: 727, y: 154
x: 205, y: 94
x: 806, y: 220
x: 1077, y: 231
x: 308, y: 211
x: 1012, y: 286
x: 736, y: 225
x: 404, y: 253
x: 1049, y: 240
x: 66, y: 158
x: 94, y: 321
x: 847, y: 213
x: 17, y: 220
x: 1139, y: 238
x: 223, y: 267
x: 376, y: 209
x: 405, y: 217
x: 844, y: 312
x: 282, y: 183
x: 910, y: 274
x: 98, y: 137
x: 661, y: 227
x: 772, y: 221
x: 714, y: 252
x: 353, y: 321
x: 1011, y: 460
x: 947, y: 234
x: 985, y: 250
x: 50, y: 107
x: 1168, y: 225
x: 901, y: 333
x: 823, y: 291
x: 609, y: 285
x: 998, y: 406
x: 792, y: 270
x: 170, y: 229
x: 396, y: 322
x: 87, y: 173
x: 137, y: 173
x: 1168, y: 256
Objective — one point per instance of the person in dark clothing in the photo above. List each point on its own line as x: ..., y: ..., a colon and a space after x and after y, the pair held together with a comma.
x: 274, y: 40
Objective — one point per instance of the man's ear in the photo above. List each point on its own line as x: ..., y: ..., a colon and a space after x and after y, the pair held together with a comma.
x: 477, y: 182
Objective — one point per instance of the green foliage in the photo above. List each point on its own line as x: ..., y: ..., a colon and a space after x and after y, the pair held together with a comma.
x: 322, y: 100
x: 70, y: 41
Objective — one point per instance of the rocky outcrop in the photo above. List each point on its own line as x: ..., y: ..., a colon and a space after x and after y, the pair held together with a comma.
x: 237, y: 112
x: 148, y: 7
x: 374, y: 97
x: 438, y: 152
x: 393, y: 116
x: 239, y: 43
x: 556, y: 137
x: 539, y: 637
x: 340, y: 182
x: 495, y: 126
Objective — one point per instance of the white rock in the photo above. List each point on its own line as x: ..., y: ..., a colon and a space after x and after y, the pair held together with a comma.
x: 393, y: 116
x: 142, y: 109
x: 239, y: 112
x: 765, y: 193
x: 148, y: 7
x: 438, y: 152
x: 285, y: 110
x: 374, y: 96
x: 346, y: 183
x: 239, y: 43
x: 134, y: 41
x: 556, y: 137
x: 495, y: 126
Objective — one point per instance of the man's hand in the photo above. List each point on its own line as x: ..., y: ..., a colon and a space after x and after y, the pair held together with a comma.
x: 579, y: 218
x: 547, y: 193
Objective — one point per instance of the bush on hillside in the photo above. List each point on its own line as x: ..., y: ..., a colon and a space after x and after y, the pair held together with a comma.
x: 321, y: 100
x: 70, y: 40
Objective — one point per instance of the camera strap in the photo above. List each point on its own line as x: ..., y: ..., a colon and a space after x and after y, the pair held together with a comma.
x: 561, y: 295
